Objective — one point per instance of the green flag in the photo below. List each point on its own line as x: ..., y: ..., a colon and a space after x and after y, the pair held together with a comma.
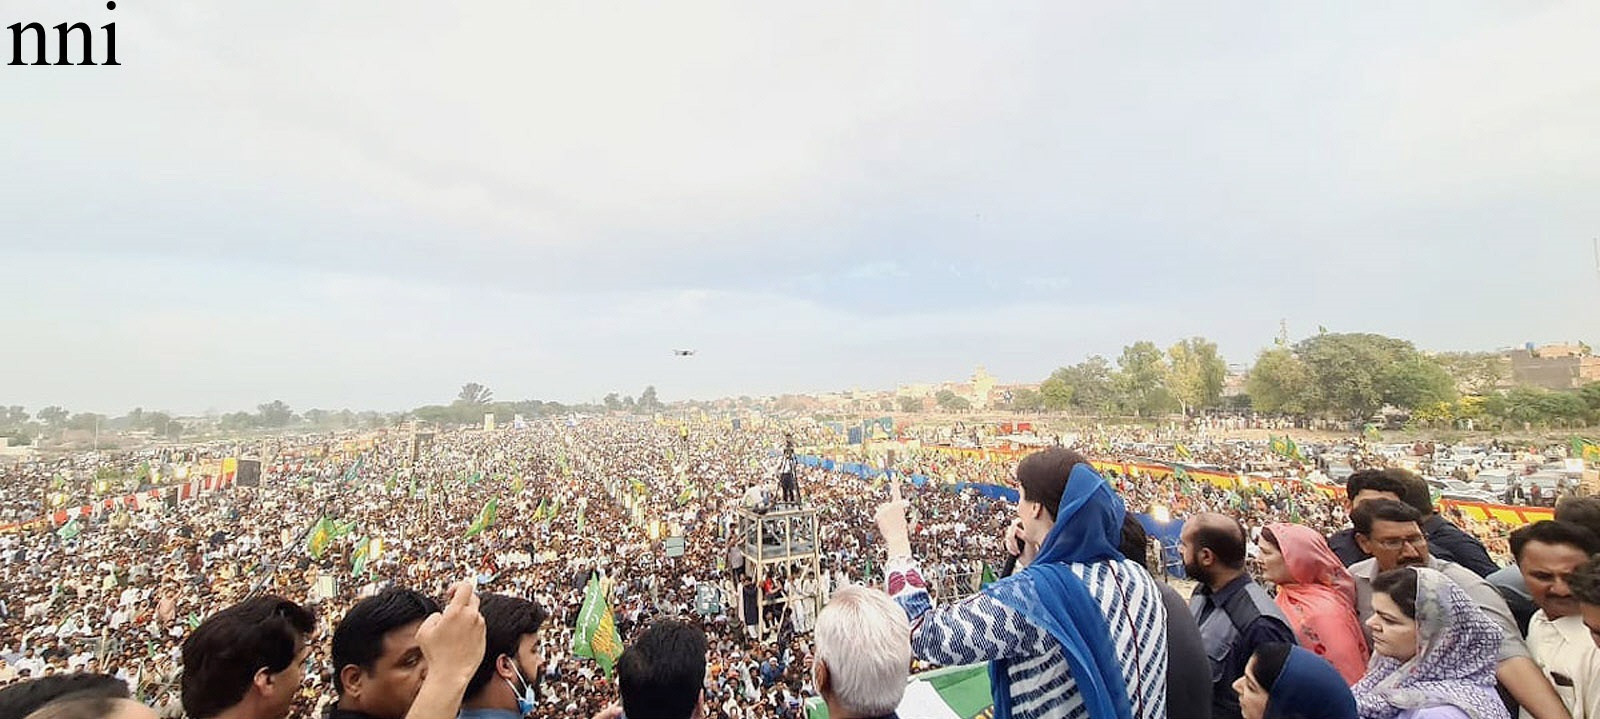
x: 355, y: 469
x: 1182, y: 452
x: 1371, y: 433
x: 580, y: 520
x: 1585, y: 450
x: 988, y: 576
x: 517, y: 484
x: 686, y: 495
x: 538, y: 512
x: 485, y: 517
x: 320, y: 537
x: 595, y: 635
x: 358, y: 559
x: 69, y: 530
x: 960, y: 692
x: 1184, y: 480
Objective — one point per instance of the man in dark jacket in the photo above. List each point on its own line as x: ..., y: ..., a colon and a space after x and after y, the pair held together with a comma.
x: 1445, y: 540
x: 1363, y: 486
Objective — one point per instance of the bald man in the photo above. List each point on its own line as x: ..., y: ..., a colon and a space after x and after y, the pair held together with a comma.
x: 1235, y: 614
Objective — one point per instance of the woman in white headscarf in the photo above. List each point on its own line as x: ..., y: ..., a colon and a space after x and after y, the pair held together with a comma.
x: 1433, y: 651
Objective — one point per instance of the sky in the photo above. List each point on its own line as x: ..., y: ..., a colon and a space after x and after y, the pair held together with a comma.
x: 367, y: 204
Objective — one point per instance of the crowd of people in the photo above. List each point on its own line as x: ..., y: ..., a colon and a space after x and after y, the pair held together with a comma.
x: 511, y: 530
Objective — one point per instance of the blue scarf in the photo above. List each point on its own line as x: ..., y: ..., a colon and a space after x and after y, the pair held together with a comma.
x: 1308, y: 686
x: 1088, y: 528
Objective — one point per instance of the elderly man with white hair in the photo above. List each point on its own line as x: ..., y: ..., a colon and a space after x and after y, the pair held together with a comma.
x: 863, y: 654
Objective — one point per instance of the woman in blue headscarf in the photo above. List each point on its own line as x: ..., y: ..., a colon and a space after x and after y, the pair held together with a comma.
x: 1283, y: 681
x: 1079, y: 627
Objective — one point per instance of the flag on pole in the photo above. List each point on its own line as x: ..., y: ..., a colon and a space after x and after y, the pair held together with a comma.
x: 595, y: 635
x: 686, y: 495
x: 1371, y: 433
x: 538, y: 512
x: 485, y: 517
x: 1183, y: 452
x: 517, y: 484
x: 320, y: 537
x: 1185, y: 481
x: 988, y: 577
x: 359, y: 558
x: 355, y: 469
x: 69, y: 530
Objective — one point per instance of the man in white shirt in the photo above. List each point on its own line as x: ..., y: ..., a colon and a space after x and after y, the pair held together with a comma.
x: 1391, y: 532
x: 1547, y: 553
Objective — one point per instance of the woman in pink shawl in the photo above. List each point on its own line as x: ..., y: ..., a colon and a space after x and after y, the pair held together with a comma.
x: 1317, y: 595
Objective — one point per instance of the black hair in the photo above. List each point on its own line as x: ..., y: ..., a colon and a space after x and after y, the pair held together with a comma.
x: 76, y: 707
x: 506, y: 620
x: 1382, y: 510
x: 1376, y: 480
x: 1583, y: 511
x: 1585, y: 582
x: 24, y: 698
x: 1225, y: 540
x: 223, y: 654
x: 1401, y: 587
x: 1418, y: 494
x: 1135, y: 542
x: 1270, y: 659
x: 1043, y: 476
x: 1554, y: 531
x: 661, y: 673
x: 359, y: 637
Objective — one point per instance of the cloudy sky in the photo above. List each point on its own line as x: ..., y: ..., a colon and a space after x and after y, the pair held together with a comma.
x: 367, y: 203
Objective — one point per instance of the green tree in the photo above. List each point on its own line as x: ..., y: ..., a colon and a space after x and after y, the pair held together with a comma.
x: 612, y: 402
x: 474, y: 393
x: 648, y: 402
x: 1417, y: 382
x: 317, y: 417
x: 13, y: 416
x: 1028, y: 400
x: 1478, y: 373
x: 1086, y: 386
x: 1348, y: 371
x: 1279, y: 383
x: 86, y: 421
x: 238, y: 421
x: 1056, y: 393
x: 54, y: 417
x: 909, y: 404
x: 1138, y: 381
x: 1196, y: 373
x: 274, y: 414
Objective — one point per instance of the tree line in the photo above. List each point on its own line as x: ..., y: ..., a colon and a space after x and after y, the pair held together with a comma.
x: 1345, y: 376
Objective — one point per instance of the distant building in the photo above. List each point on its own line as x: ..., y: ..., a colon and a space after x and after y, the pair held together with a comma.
x: 1556, y: 367
x: 982, y: 388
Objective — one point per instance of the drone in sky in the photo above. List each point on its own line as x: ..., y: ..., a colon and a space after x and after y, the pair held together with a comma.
x: 683, y: 353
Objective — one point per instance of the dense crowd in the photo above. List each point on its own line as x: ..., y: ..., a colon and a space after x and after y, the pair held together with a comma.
x: 576, y: 501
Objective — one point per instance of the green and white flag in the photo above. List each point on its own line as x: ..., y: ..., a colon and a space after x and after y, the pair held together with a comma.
x: 950, y: 693
x: 485, y: 517
x: 69, y: 530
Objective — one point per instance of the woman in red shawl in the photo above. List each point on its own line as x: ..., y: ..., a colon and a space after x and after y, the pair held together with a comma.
x: 1317, y: 595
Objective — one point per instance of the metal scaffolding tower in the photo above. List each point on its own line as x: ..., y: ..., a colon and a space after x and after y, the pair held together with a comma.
x: 782, y: 544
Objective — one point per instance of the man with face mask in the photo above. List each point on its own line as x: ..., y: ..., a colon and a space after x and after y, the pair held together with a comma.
x: 504, y: 685
x: 1392, y: 533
